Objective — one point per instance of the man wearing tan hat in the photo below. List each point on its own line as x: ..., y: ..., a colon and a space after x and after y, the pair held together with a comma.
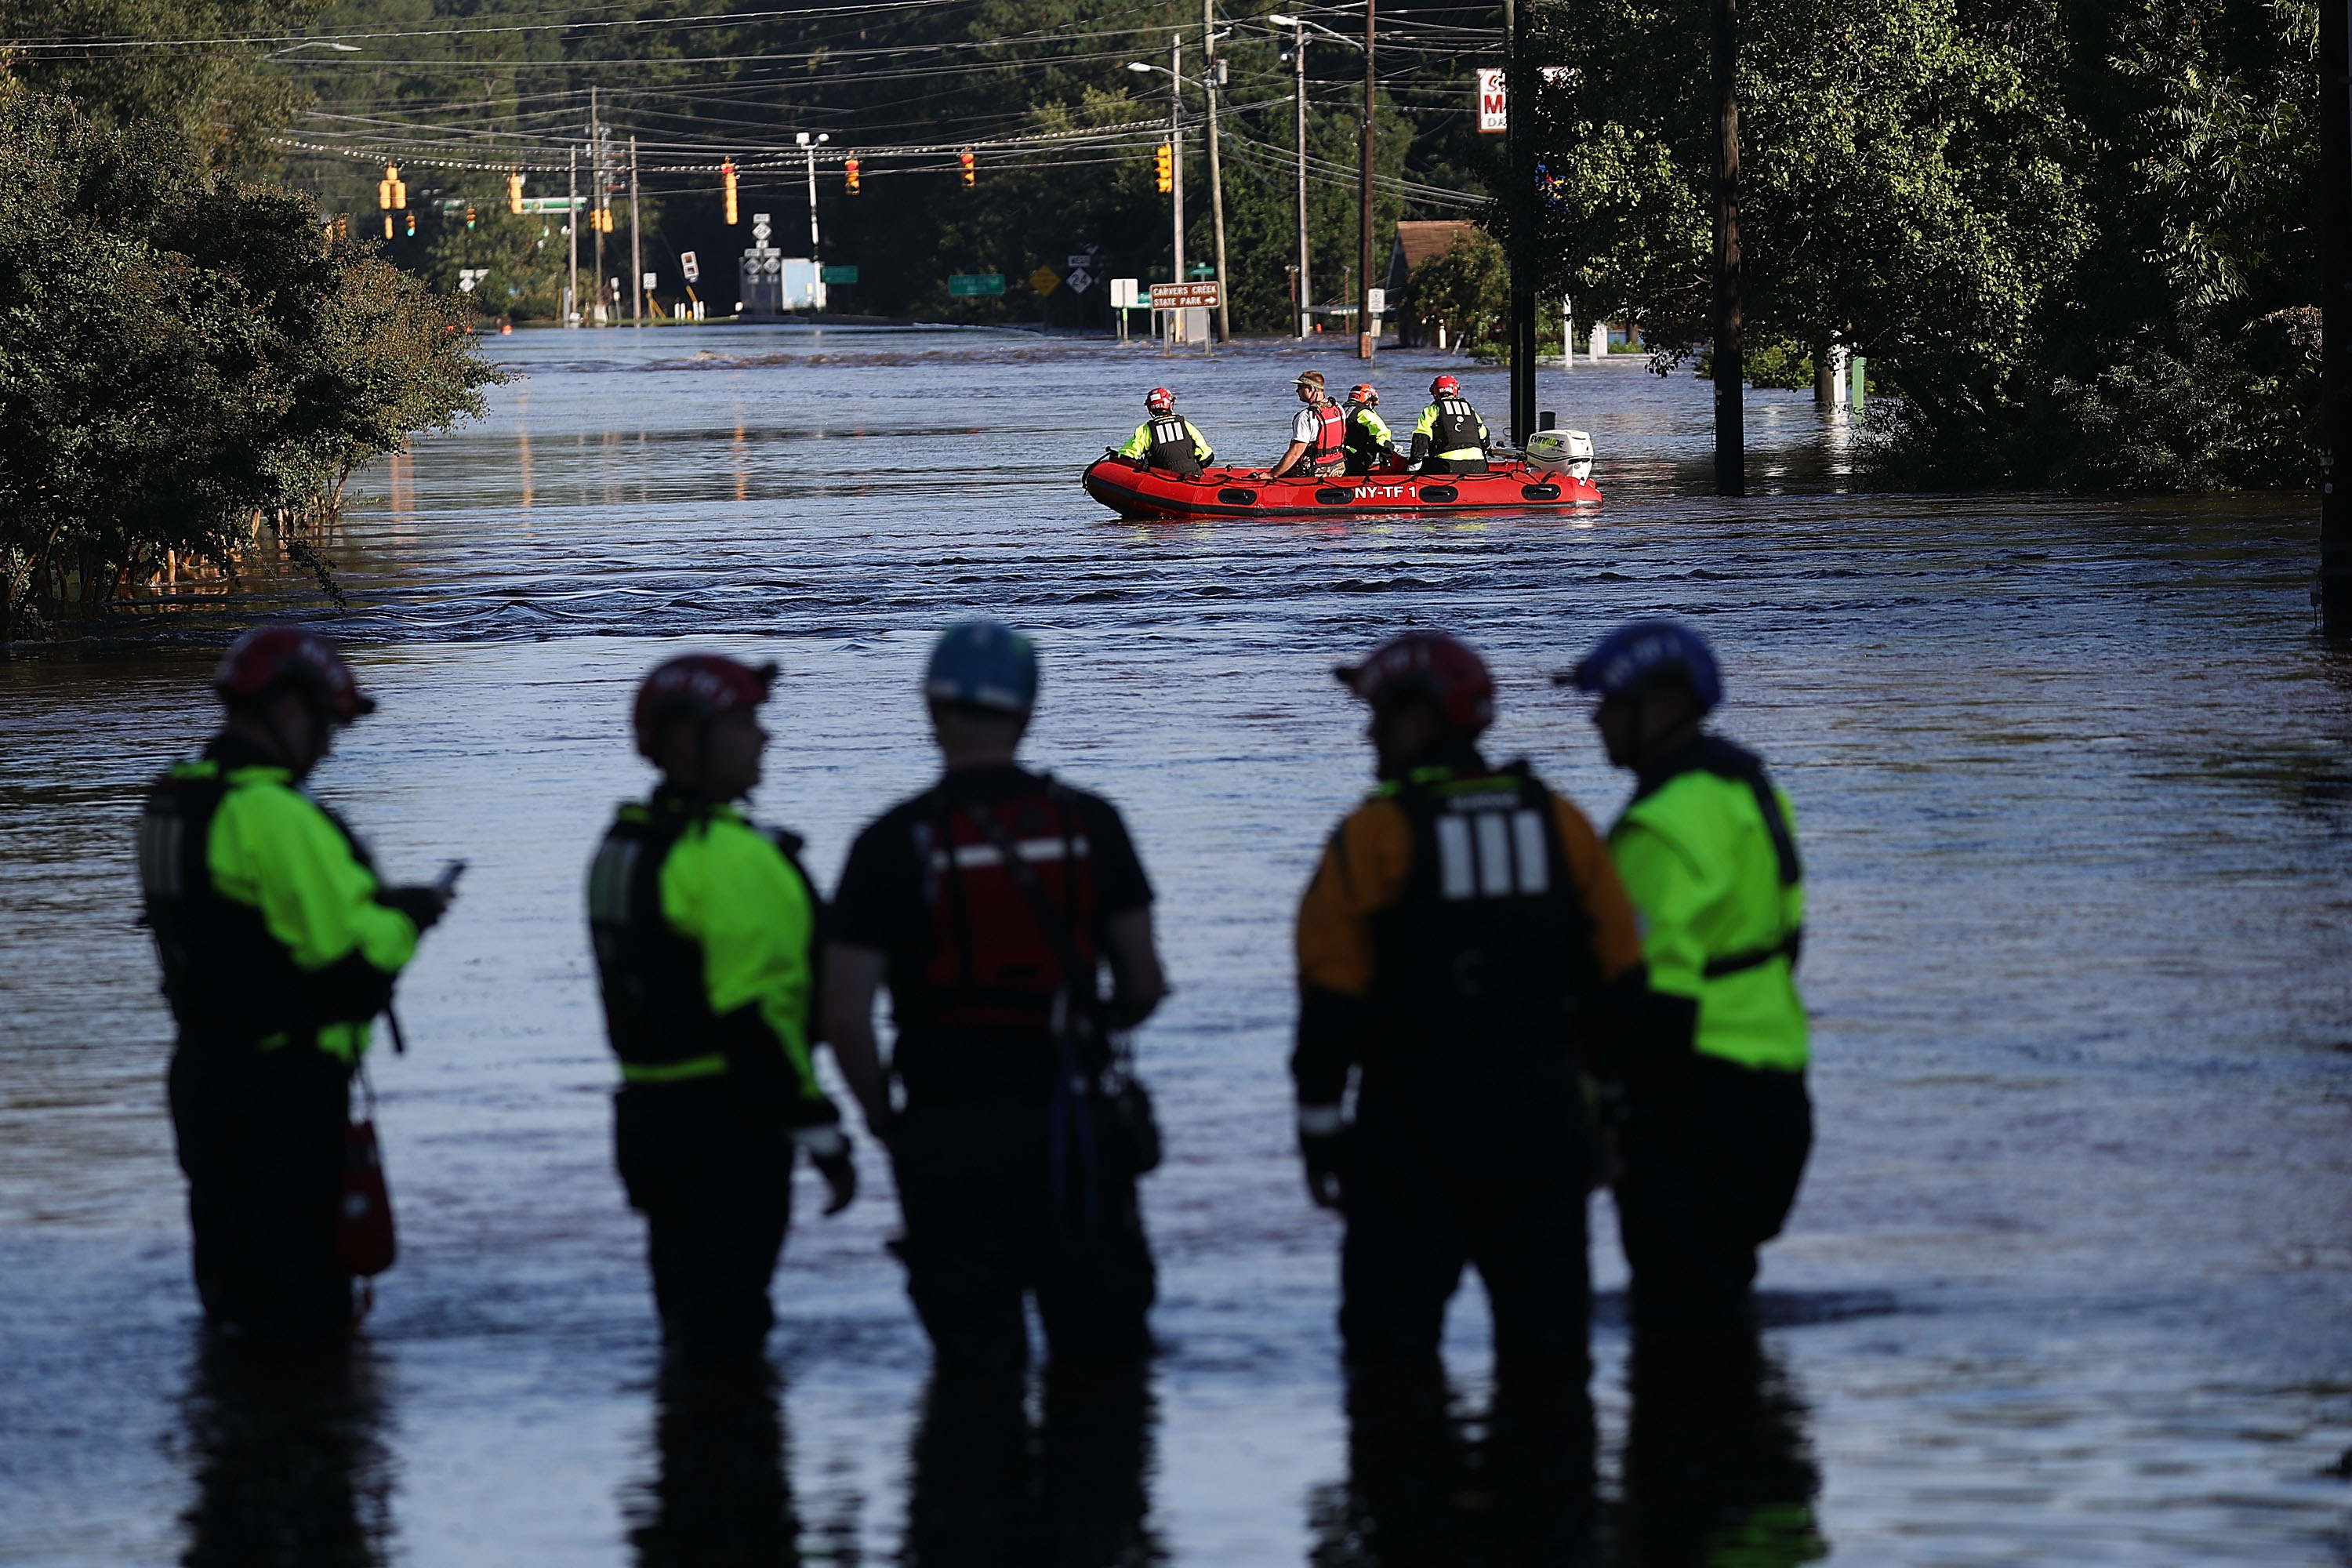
x: 1317, y: 435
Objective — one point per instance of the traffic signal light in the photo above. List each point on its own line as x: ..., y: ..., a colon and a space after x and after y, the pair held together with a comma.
x: 514, y: 192
x: 412, y: 226
x: 727, y: 172
x: 966, y: 157
x: 387, y: 225
x: 850, y: 169
x: 1164, y: 158
x: 469, y: 214
x: 389, y: 192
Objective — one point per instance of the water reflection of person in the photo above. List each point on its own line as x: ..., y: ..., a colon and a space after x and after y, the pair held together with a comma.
x: 991, y: 1489
x: 1717, y: 1466
x: 288, y: 1469
x: 721, y: 1494
x: 1429, y: 1487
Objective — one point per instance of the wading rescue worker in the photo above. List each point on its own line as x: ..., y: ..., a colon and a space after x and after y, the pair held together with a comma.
x: 1465, y: 949
x: 1167, y: 439
x: 1718, y: 1122
x: 279, y: 945
x: 1450, y: 437
x: 987, y: 904
x: 1317, y: 435
x: 705, y: 930
x: 1368, y: 439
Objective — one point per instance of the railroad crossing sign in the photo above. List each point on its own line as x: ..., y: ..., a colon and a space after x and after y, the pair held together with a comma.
x: 1045, y: 280
x: 1079, y: 279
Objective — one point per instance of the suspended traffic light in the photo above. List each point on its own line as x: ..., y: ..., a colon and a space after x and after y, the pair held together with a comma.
x: 727, y: 172
x: 966, y: 157
x: 1164, y: 158
x: 514, y: 192
x: 412, y: 226
x: 850, y: 170
x: 387, y: 225
x: 390, y: 193
x: 469, y: 214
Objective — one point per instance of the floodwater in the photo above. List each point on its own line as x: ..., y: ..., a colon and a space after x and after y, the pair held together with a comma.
x: 2068, y: 1280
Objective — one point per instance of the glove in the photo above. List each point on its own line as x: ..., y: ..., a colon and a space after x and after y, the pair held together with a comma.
x: 423, y: 906
x: 828, y: 1151
x: 1323, y: 1145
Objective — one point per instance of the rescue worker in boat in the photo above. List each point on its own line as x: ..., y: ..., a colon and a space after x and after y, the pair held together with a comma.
x: 1368, y: 441
x: 706, y: 930
x: 1167, y: 439
x: 1450, y: 437
x: 279, y: 944
x: 1465, y: 952
x: 987, y: 903
x: 1717, y: 1122
x: 1317, y: 435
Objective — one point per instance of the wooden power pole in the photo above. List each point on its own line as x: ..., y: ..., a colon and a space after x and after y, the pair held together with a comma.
x: 2336, y: 321
x: 1519, y: 77
x: 1364, y: 224
x: 1730, y: 366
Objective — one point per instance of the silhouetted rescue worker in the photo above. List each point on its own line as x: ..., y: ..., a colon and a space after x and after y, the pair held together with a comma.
x: 1167, y: 439
x: 706, y: 930
x: 987, y: 903
x: 279, y: 945
x: 1368, y: 440
x: 1718, y: 1122
x: 1450, y: 437
x: 1318, y: 434
x: 1463, y: 945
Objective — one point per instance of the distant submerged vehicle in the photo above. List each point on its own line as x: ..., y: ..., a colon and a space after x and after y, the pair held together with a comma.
x: 1555, y: 472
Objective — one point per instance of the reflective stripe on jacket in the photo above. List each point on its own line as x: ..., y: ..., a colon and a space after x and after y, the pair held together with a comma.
x: 1368, y: 433
x: 1450, y: 427
x: 1170, y: 442
x: 265, y: 911
x: 705, y: 928
x: 1722, y: 899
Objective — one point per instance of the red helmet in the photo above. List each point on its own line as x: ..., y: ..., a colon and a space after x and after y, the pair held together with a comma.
x: 1445, y: 386
x: 1438, y: 666
x: 1160, y: 400
x: 697, y: 686
x: 268, y: 657
x: 1363, y: 393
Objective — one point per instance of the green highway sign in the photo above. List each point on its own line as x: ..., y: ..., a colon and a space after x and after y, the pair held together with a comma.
x: 837, y: 274
x: 1203, y: 269
x: 967, y: 283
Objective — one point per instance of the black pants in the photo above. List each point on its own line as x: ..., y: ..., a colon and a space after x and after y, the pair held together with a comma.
x: 260, y: 1137
x: 992, y: 1216
x: 1713, y: 1157
x: 714, y: 1180
x: 1497, y: 1181
x: 284, y: 1438
x: 1453, y: 466
x: 723, y: 1493
x: 1717, y: 1466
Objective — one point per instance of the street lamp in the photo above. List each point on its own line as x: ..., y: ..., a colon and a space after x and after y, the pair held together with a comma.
x: 816, y: 267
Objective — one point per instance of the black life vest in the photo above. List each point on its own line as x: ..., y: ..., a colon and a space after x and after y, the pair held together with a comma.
x: 1172, y: 445
x: 1331, y: 434
x: 1361, y: 444
x: 230, y: 982
x: 657, y: 1003
x: 990, y: 966
x: 1457, y: 428
x: 1479, y: 967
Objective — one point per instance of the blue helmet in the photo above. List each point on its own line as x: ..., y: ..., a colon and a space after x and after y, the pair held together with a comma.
x: 983, y: 664
x: 1633, y: 656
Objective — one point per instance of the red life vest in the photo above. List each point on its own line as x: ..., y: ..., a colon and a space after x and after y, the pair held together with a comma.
x: 991, y: 965
x: 1331, y: 435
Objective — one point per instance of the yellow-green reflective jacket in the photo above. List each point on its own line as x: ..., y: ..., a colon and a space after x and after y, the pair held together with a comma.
x: 1722, y: 898
x: 267, y: 915
x: 706, y: 933
x: 1450, y: 427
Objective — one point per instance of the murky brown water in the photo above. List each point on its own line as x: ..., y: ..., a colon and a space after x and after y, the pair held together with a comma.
x: 2068, y: 1282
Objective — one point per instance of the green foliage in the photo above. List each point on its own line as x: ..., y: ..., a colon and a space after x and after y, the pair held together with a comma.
x: 1468, y: 288
x: 180, y: 356
x: 525, y: 252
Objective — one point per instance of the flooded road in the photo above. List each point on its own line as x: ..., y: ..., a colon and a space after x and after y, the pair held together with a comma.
x: 2068, y: 1280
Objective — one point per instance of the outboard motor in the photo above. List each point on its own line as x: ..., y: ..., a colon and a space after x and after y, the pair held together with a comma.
x: 1561, y: 451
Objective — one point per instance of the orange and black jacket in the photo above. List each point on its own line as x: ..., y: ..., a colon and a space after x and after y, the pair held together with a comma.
x: 1465, y: 931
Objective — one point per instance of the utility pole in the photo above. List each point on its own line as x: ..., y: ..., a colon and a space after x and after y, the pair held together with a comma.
x: 636, y: 246
x: 597, y: 201
x: 572, y: 235
x: 1519, y: 77
x: 1298, y: 99
x: 1176, y: 154
x: 1364, y: 234
x: 1210, y: 65
x: 2335, y: 320
x: 1730, y: 365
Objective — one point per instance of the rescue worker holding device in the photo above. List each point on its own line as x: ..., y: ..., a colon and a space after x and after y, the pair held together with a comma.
x: 1449, y: 437
x: 1464, y: 947
x: 1168, y: 440
x: 1369, y: 441
x: 1720, y: 1122
x: 279, y: 944
x: 705, y: 930
x: 987, y: 903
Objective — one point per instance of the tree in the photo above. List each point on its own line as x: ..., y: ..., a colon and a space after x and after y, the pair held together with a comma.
x: 1467, y: 287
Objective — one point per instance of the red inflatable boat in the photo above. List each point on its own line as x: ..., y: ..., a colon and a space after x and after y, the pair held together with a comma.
x: 1133, y: 491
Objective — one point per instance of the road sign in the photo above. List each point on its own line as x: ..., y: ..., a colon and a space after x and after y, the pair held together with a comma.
x: 1184, y: 296
x: 1075, y: 262
x: 967, y: 284
x: 1123, y: 293
x: 691, y: 267
x: 837, y: 274
x: 1079, y: 280
x: 649, y: 280
x: 1045, y: 280
x: 1377, y: 300
x: 1200, y: 269
x: 469, y: 276
x: 1493, y: 116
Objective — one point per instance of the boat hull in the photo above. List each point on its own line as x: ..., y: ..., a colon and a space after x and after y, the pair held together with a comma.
x: 1136, y: 492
